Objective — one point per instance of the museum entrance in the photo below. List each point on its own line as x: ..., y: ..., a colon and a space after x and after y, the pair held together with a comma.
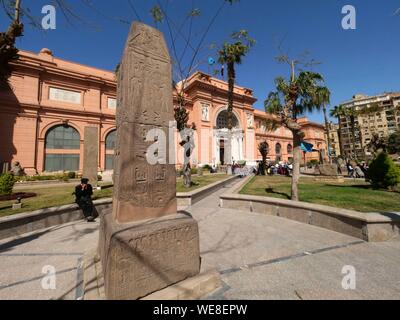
x: 222, y: 152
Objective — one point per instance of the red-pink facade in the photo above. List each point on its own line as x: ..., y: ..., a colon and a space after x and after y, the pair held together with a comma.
x: 47, y: 93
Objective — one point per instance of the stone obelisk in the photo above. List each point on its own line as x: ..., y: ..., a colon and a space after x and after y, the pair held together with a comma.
x: 141, y: 190
x: 91, y: 155
x: 145, y: 244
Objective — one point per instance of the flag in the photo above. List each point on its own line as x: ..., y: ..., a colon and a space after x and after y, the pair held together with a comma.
x: 307, y: 147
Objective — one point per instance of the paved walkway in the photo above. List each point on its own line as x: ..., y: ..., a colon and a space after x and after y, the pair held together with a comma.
x: 259, y: 257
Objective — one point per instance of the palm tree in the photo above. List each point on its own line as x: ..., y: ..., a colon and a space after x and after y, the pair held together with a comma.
x: 338, y: 112
x: 292, y: 98
x: 230, y: 55
x: 323, y: 98
x: 352, y: 114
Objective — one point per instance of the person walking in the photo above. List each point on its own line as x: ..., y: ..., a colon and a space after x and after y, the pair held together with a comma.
x: 83, y: 197
x: 350, y: 169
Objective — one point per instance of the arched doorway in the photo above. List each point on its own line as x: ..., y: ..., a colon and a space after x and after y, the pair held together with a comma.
x: 228, y: 144
x: 110, y: 149
x: 62, y: 149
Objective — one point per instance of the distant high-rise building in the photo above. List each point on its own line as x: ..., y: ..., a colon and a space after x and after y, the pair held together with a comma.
x: 370, y: 115
x: 333, y: 132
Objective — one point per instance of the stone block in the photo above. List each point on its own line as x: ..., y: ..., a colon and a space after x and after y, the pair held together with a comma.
x: 378, y: 232
x: 17, y: 206
x: 141, y: 258
x: 328, y: 170
x: 91, y: 154
x: 189, y: 289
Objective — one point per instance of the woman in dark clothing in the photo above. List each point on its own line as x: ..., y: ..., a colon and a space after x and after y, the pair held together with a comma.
x: 83, y: 197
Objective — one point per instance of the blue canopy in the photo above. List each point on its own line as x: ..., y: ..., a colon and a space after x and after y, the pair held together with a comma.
x: 307, y: 147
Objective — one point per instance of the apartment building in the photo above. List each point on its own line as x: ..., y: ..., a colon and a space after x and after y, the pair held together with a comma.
x: 333, y: 132
x: 371, y: 115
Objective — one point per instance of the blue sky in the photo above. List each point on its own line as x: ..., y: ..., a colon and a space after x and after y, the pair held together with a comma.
x: 365, y: 60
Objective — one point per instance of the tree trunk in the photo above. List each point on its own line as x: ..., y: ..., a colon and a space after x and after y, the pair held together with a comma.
x: 187, y: 153
x: 340, y: 137
x: 328, y: 136
x: 296, y: 164
x: 231, y: 88
x: 17, y: 10
x: 353, y: 137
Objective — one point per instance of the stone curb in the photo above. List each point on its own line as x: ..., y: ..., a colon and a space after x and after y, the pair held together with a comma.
x: 374, y: 227
x: 18, y: 224
x: 187, y: 199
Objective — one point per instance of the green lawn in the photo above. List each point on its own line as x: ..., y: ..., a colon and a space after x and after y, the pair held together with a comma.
x: 354, y: 195
x: 199, y: 182
x: 61, y: 195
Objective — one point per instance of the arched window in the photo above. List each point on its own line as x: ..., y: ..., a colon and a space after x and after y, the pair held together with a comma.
x: 110, y: 147
x: 62, y: 147
x: 63, y: 138
x: 111, y: 140
x: 290, y: 149
x: 278, y: 149
x: 222, y: 120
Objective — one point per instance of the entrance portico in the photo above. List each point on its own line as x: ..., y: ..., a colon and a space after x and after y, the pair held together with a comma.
x: 227, y: 144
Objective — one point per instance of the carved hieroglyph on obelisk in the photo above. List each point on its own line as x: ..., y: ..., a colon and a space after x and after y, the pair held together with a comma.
x: 141, y: 190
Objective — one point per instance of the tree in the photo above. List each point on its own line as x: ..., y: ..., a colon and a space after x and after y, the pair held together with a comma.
x: 263, y: 149
x: 377, y: 145
x: 323, y: 98
x: 292, y: 98
x: 338, y: 112
x: 17, y: 11
x: 8, y: 51
x: 383, y: 173
x: 230, y: 55
x: 394, y: 143
x: 189, y: 55
x: 351, y: 113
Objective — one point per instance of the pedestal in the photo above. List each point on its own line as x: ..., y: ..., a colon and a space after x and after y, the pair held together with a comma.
x: 144, y: 257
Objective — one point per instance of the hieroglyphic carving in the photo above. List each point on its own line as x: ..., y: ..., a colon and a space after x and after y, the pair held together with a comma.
x: 145, y: 100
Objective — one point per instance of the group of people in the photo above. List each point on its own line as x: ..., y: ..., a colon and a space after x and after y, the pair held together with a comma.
x: 357, y: 171
x: 282, y: 168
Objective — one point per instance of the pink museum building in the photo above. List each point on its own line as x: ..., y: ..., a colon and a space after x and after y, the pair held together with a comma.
x: 50, y: 101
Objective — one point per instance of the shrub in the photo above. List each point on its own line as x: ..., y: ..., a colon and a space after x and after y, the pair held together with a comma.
x: 7, y: 182
x: 313, y: 162
x: 71, y: 175
x: 195, y: 171
x: 383, y: 173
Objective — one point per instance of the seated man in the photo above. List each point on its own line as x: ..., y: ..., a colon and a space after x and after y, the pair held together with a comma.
x: 83, y: 197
